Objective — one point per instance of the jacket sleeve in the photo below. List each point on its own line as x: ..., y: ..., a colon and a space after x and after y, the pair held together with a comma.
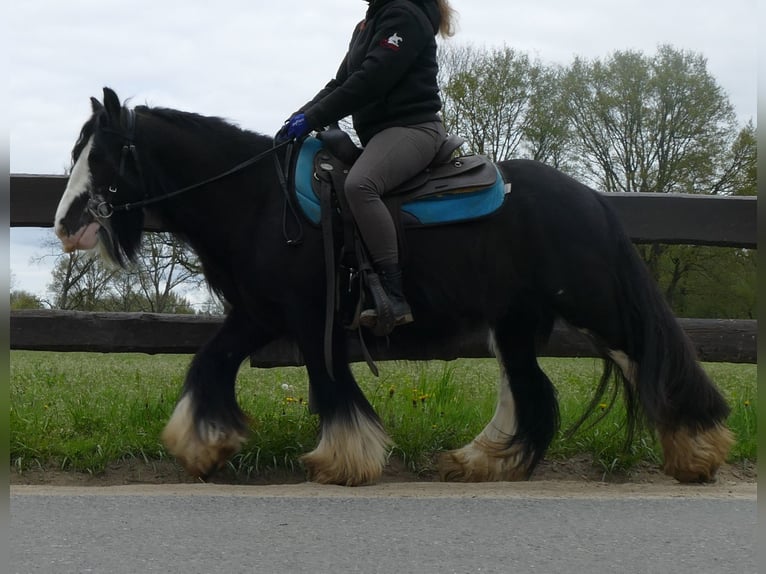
x: 338, y: 80
x: 399, y: 37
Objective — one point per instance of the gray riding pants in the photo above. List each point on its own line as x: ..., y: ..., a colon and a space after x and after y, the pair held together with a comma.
x: 390, y: 158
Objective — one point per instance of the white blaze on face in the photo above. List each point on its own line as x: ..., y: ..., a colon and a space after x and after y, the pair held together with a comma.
x: 86, y: 235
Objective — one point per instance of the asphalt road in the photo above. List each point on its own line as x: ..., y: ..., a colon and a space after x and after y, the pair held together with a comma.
x: 392, y: 529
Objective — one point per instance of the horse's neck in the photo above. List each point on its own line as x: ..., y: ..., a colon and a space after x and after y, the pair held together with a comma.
x: 181, y: 156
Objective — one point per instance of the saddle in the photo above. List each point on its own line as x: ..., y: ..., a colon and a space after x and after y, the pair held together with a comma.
x: 450, y: 190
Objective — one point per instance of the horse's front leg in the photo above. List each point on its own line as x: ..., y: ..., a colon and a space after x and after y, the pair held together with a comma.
x: 353, y: 445
x: 207, y: 426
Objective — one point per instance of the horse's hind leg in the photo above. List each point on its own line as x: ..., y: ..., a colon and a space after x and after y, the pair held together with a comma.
x: 693, y: 451
x: 526, y: 417
x: 625, y: 312
x: 207, y: 426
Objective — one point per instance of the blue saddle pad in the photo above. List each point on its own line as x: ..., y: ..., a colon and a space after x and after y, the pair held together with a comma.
x: 446, y: 208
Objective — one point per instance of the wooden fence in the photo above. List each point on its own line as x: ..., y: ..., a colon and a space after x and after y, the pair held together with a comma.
x: 673, y: 219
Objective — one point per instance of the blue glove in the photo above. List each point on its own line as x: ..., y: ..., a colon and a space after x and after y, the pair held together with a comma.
x: 294, y: 128
x: 297, y: 126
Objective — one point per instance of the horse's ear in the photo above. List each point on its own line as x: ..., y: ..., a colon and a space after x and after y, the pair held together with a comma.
x: 112, y: 104
x: 96, y: 105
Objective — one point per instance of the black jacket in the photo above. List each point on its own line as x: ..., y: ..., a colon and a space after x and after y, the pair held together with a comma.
x: 388, y: 76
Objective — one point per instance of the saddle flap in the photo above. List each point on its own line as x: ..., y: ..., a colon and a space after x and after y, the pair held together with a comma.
x: 459, y: 174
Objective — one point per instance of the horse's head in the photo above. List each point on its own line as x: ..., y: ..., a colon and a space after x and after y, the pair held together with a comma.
x: 105, y: 174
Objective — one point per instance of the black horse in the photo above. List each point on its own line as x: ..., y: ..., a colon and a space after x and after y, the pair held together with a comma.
x: 554, y: 249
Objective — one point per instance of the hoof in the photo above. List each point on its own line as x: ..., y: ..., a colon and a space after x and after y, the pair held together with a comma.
x: 483, y: 462
x: 201, y: 449
x: 695, y: 456
x: 319, y: 470
x: 349, y: 453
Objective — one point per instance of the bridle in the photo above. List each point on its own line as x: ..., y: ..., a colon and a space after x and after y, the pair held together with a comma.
x: 100, y: 208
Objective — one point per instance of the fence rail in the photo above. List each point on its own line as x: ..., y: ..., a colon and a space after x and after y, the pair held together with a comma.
x: 648, y: 217
x: 716, y: 340
x: 664, y: 218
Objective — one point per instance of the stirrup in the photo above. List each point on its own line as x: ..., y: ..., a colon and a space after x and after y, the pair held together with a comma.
x: 382, y: 319
x: 369, y: 318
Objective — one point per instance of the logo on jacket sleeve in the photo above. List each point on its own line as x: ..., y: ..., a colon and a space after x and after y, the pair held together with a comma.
x: 392, y: 42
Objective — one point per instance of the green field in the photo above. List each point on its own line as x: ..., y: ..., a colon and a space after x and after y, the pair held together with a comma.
x: 77, y: 411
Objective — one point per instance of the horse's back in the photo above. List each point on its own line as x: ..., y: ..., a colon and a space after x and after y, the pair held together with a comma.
x: 541, y: 179
x: 557, y: 202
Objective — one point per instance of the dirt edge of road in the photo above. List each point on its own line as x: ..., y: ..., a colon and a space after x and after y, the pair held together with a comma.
x: 555, y: 478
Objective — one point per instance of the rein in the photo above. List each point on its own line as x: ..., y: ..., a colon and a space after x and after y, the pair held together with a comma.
x: 102, y: 209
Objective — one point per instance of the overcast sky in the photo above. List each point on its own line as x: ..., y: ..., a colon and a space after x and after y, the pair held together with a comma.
x: 254, y: 64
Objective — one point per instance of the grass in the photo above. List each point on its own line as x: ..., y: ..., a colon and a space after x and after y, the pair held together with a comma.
x: 77, y: 411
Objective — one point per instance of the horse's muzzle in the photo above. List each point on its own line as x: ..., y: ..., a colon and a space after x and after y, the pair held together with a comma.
x: 84, y: 238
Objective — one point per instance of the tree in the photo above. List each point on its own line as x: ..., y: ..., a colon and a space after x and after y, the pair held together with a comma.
x: 710, y: 281
x: 165, y: 264
x: 85, y: 282
x: 650, y: 123
x: 80, y: 281
x: 486, y: 97
x: 547, y: 130
x: 740, y: 176
x: 25, y: 300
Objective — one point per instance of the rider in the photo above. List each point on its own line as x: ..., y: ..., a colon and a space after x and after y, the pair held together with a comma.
x: 387, y: 83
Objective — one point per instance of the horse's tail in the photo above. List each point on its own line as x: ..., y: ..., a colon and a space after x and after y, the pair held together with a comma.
x: 664, y: 382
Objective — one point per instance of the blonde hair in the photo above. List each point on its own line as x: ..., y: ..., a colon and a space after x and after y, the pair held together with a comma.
x: 448, y: 24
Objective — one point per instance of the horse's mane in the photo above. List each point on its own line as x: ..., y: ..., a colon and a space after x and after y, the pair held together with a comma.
x: 212, y: 127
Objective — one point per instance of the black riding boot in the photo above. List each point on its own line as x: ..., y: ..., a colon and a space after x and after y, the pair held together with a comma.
x: 391, y: 280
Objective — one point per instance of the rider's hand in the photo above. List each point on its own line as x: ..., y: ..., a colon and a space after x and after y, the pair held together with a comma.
x: 297, y: 126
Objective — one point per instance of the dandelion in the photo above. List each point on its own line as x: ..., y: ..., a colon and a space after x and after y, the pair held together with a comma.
x: 747, y: 403
x: 423, y: 398
x: 602, y: 406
